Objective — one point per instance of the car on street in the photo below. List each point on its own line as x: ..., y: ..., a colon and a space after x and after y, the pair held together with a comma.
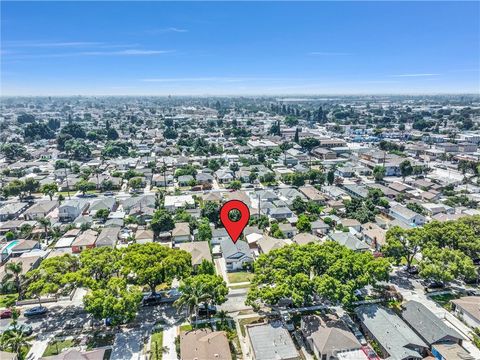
x: 152, y: 300
x: 36, y: 311
x: 209, y: 310
x: 6, y: 314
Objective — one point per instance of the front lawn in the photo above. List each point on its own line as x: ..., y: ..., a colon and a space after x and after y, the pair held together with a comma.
x: 55, y: 347
x: 156, y: 347
x: 185, y: 327
x: 444, y: 300
x: 247, y: 321
x: 239, y: 277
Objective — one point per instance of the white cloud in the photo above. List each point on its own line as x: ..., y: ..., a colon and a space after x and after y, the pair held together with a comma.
x: 415, y: 75
x: 167, y: 30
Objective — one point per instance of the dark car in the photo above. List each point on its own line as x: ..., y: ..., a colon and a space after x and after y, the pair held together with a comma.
x: 6, y: 314
x: 434, y: 284
x: 152, y: 300
x: 202, y: 310
x: 35, y: 311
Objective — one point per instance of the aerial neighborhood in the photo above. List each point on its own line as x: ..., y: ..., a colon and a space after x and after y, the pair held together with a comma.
x: 363, y: 240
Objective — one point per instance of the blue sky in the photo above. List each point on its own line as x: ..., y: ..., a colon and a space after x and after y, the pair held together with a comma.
x: 226, y: 48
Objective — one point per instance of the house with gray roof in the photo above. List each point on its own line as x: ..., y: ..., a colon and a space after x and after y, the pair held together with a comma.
x: 349, y: 240
x: 427, y: 325
x: 396, y: 340
x: 236, y: 254
x: 327, y: 340
x: 406, y: 215
x: 108, y: 237
x: 271, y: 342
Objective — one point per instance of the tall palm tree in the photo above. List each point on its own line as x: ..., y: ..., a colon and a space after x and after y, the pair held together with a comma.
x: 46, y: 224
x: 14, y: 340
x: 14, y: 269
x: 192, y: 295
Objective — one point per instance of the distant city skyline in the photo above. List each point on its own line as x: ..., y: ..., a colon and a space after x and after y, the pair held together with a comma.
x: 241, y: 48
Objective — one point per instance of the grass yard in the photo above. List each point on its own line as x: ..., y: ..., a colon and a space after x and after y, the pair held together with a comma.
x: 156, y: 348
x: 185, y: 327
x: 244, y: 322
x: 243, y: 286
x: 55, y: 347
x: 444, y: 300
x: 240, y: 276
x: 8, y: 300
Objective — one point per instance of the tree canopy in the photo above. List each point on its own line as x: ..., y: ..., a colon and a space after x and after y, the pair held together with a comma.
x: 329, y: 271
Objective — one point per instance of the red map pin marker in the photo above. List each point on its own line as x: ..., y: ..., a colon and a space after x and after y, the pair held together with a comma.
x: 234, y: 228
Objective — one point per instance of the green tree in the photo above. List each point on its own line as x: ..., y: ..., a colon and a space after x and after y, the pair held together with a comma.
x: 31, y: 185
x: 330, y: 177
x: 135, y: 183
x: 117, y: 302
x: 153, y: 264
x: 211, y: 211
x: 304, y: 224
x: 46, y: 223
x: 309, y: 143
x: 402, y: 244
x: 49, y: 190
x: 161, y: 221
x: 206, y: 267
x: 276, y: 232
x: 379, y: 172
x: 235, y: 185
x: 299, y: 273
x: 446, y: 265
x: 102, y: 214
x: 84, y: 186
x: 406, y: 169
x: 204, y: 230
x: 201, y: 289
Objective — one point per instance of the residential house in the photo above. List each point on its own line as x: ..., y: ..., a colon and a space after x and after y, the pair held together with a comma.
x: 395, y: 339
x: 319, y: 227
x: 312, y: 194
x: 204, y: 344
x: 329, y: 341
x: 288, y: 230
x: 200, y: 250
x: 219, y: 235
x: 160, y: 180
x: 12, y: 210
x: 85, y: 240
x: 108, y: 237
x: 271, y: 342
x: 267, y: 243
x: 71, y: 209
x: 467, y: 308
x: 349, y: 240
x: 40, y: 209
x: 305, y: 238
x: 99, y: 204
x: 181, y: 233
x: 24, y: 246
x: 236, y: 254
x: 428, y: 326
x: 143, y: 236
x: 374, y: 235
x: 406, y: 215
x: 174, y: 202
x: 450, y: 351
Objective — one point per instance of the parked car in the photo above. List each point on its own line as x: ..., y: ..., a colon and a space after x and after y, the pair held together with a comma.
x: 108, y: 193
x: 6, y: 314
x: 35, y: 311
x: 152, y: 300
x: 202, y: 310
x: 434, y: 284
x: 23, y: 328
